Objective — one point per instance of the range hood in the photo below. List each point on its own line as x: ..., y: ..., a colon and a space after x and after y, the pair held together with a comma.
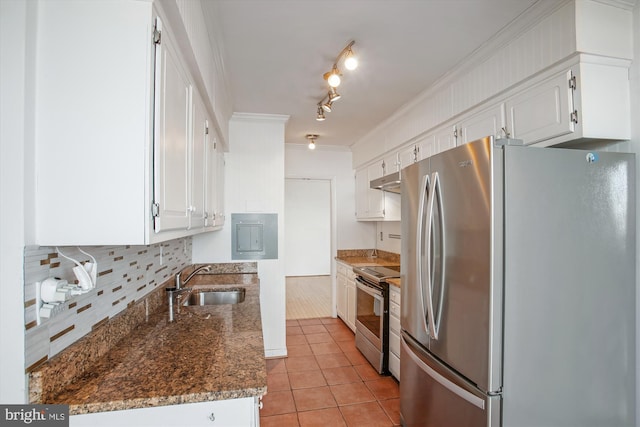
x: 389, y: 183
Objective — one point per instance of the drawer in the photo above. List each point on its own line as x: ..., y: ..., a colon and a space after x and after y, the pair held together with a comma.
x: 394, y: 309
x: 394, y: 343
x: 394, y: 325
x: 394, y: 366
x: 394, y: 294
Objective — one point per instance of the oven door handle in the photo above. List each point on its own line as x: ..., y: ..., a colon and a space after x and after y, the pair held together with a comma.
x: 369, y: 290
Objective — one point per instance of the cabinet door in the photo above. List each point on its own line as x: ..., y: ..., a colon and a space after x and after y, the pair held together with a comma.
x: 198, y: 163
x: 362, y: 194
x: 444, y: 138
x: 375, y: 197
x: 485, y: 123
x: 427, y: 147
x: 171, y: 138
x: 341, y: 296
x: 220, y: 216
x: 408, y: 156
x: 211, y: 182
x: 390, y: 164
x: 351, y: 304
x: 543, y: 111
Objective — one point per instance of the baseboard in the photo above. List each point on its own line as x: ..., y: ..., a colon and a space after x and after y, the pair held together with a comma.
x: 275, y: 353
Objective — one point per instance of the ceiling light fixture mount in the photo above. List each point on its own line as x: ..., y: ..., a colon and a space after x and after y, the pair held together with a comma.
x: 312, y: 140
x: 333, y: 79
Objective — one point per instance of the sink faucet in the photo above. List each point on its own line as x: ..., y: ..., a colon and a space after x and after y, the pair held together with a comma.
x: 177, y: 290
x: 179, y: 281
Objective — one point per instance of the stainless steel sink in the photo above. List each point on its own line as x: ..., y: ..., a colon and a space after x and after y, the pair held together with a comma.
x: 216, y: 296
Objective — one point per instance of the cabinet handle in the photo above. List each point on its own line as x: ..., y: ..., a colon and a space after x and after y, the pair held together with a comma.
x: 212, y: 417
x: 506, y: 132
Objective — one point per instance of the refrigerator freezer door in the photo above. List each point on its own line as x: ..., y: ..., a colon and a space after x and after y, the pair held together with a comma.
x: 434, y: 396
x: 569, y: 288
x: 466, y: 301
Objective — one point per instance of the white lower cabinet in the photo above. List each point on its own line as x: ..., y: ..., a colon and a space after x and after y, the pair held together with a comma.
x: 394, y: 331
x: 346, y: 294
x: 242, y: 412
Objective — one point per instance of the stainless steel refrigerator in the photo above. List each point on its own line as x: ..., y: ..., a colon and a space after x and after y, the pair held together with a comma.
x: 518, y: 288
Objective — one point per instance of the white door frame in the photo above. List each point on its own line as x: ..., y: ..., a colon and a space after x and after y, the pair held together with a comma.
x: 334, y: 233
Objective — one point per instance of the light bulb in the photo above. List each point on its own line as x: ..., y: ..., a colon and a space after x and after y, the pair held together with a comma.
x: 312, y: 145
x: 334, y: 79
x: 351, y: 62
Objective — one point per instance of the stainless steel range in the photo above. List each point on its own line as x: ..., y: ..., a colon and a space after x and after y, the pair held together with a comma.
x: 372, y: 314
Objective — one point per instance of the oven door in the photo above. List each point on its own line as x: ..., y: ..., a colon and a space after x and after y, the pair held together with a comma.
x: 370, y: 312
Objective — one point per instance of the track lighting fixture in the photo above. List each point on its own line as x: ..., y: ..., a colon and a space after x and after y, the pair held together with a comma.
x: 333, y: 79
x: 312, y: 140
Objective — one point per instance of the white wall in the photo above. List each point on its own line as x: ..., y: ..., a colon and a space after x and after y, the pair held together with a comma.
x: 383, y: 240
x: 254, y: 182
x: 16, y: 149
x: 333, y: 163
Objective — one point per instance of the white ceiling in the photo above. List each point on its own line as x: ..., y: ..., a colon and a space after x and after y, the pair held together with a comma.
x: 276, y: 52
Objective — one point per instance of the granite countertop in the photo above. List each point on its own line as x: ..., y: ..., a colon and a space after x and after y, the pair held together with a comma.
x: 395, y: 282
x: 208, y: 353
x: 363, y: 261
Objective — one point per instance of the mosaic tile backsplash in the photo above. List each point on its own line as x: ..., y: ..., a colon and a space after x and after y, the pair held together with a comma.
x: 126, y: 274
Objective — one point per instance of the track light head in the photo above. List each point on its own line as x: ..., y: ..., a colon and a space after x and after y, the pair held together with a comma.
x: 320, y: 116
x: 333, y: 95
x: 327, y: 106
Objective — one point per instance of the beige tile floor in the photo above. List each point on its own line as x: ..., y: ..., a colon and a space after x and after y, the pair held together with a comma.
x: 308, y: 297
x: 325, y: 381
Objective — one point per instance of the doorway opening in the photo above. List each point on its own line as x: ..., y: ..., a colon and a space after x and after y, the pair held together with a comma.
x: 308, y: 248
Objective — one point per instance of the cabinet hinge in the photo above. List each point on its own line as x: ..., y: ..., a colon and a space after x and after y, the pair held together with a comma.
x: 157, y: 36
x: 572, y: 83
x: 574, y: 116
x: 155, y: 210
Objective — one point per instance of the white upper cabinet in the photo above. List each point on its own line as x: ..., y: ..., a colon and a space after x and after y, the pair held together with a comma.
x: 542, y: 111
x: 586, y: 101
x: 372, y: 204
x: 484, y: 123
x: 172, y: 136
x: 119, y: 127
x: 199, y: 164
x: 214, y: 185
x: 390, y: 164
x: 408, y: 155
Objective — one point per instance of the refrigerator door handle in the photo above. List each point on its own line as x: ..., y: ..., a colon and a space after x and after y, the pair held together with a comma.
x: 431, y: 323
x: 449, y: 385
x: 424, y: 194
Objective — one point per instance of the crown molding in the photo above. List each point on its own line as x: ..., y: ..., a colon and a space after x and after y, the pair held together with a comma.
x: 257, y: 117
